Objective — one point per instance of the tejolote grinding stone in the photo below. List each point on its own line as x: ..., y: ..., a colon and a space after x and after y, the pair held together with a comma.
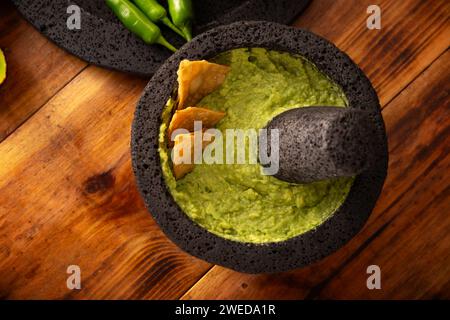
x: 296, y: 252
x: 318, y: 143
x: 103, y: 41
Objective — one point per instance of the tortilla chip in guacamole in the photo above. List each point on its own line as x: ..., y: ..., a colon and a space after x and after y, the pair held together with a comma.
x: 184, y: 119
x: 197, y: 79
x: 185, y: 143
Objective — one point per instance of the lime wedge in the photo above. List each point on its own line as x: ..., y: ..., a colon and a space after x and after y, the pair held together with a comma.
x: 2, y: 67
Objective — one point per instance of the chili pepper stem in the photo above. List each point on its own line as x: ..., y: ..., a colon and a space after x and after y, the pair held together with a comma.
x: 169, y: 24
x: 187, y: 33
x: 162, y: 41
x: 182, y: 14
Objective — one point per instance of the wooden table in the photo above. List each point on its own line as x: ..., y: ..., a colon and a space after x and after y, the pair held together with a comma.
x: 68, y: 195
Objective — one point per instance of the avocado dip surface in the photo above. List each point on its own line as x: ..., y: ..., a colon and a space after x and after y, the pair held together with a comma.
x: 236, y: 201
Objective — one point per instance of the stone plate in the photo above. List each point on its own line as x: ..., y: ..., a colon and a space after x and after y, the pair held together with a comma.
x: 296, y: 252
x: 103, y: 41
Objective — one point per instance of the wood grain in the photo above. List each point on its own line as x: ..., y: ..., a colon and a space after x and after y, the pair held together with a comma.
x: 68, y: 196
x: 413, y: 34
x: 407, y: 234
x: 37, y: 69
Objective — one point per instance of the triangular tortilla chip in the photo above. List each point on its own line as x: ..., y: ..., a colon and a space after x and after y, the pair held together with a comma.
x: 185, y: 141
x: 184, y: 119
x: 197, y: 79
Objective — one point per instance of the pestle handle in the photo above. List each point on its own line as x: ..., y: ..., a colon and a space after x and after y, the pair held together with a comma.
x: 317, y: 143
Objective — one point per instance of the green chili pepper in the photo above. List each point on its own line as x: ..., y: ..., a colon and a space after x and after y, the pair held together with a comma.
x: 138, y: 23
x: 2, y: 67
x: 182, y: 14
x: 156, y: 13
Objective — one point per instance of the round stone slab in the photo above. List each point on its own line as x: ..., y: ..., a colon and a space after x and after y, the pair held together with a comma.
x: 296, y: 252
x: 103, y: 41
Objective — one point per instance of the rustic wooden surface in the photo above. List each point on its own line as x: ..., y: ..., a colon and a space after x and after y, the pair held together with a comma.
x: 68, y: 196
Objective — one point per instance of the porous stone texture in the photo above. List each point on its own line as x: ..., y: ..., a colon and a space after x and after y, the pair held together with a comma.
x: 296, y: 252
x: 317, y: 143
x: 102, y: 40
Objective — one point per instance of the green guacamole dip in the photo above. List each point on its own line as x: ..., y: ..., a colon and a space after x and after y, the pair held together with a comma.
x: 237, y: 202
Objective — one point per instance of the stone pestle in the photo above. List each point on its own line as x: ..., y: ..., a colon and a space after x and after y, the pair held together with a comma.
x: 317, y: 143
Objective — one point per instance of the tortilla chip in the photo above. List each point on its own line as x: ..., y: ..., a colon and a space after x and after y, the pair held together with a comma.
x: 197, y: 79
x: 184, y: 119
x: 181, y: 143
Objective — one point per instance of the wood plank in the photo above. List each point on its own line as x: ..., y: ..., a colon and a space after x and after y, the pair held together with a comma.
x: 37, y: 69
x: 413, y: 34
x: 413, y: 251
x: 410, y: 222
x: 68, y: 196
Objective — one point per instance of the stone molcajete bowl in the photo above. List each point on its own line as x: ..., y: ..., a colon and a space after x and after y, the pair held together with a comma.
x: 102, y: 40
x: 293, y: 253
